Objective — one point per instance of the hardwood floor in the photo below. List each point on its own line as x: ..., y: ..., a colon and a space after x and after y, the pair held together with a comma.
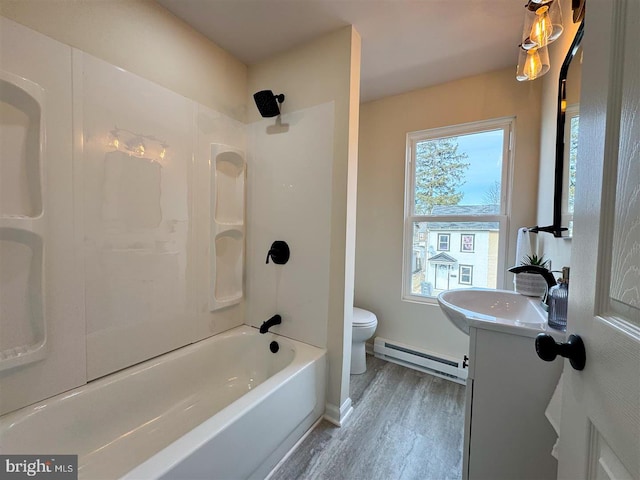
x: 405, y: 425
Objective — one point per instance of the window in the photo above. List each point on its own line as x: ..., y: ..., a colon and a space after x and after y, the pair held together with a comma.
x: 443, y: 241
x: 466, y: 274
x: 456, y: 203
x: 572, y: 123
x: 467, y: 242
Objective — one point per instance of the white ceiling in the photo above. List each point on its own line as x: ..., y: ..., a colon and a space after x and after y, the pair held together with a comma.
x: 405, y: 44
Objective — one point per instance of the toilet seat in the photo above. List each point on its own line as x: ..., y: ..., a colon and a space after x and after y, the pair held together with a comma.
x: 363, y: 318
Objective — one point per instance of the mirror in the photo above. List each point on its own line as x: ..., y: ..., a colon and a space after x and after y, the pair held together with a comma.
x: 567, y: 138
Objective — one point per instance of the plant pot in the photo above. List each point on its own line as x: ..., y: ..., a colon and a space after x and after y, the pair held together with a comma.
x: 531, y: 284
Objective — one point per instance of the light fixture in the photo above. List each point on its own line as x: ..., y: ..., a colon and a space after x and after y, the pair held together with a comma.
x: 542, y: 23
x: 532, y: 63
x: 542, y: 26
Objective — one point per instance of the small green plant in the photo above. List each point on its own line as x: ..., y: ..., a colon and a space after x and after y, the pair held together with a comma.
x: 535, y: 260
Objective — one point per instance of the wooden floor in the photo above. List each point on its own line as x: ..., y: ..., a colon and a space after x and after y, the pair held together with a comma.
x: 405, y: 425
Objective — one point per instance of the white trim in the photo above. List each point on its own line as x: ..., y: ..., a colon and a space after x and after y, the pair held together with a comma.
x: 368, y: 348
x: 507, y: 125
x: 338, y: 416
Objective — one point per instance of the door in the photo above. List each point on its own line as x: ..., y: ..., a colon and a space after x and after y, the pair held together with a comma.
x: 600, y: 428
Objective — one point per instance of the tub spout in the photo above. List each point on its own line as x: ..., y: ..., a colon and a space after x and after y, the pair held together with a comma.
x: 275, y: 320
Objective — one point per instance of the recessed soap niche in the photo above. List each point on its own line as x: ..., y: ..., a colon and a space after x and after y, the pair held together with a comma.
x: 21, y: 146
x: 23, y: 332
x: 228, y: 178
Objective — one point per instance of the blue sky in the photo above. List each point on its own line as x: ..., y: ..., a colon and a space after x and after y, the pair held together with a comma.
x: 484, y: 152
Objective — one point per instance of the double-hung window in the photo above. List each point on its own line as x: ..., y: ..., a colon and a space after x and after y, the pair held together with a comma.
x: 457, y: 191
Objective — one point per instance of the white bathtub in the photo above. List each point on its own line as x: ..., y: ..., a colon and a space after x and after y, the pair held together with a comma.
x: 224, y: 408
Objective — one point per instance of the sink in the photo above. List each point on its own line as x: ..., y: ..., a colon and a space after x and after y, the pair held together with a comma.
x: 475, y: 305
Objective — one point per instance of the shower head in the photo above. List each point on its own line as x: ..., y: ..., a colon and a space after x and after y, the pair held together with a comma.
x: 267, y: 103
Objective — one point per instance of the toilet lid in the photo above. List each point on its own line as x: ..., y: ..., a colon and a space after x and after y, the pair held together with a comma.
x: 363, y: 317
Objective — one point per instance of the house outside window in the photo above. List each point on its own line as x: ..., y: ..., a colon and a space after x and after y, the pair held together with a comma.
x: 457, y: 193
x: 443, y: 241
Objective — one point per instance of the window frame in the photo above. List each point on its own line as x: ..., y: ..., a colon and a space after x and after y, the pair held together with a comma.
x: 566, y: 216
x: 507, y: 124
x: 473, y: 242
x: 448, y: 237
x: 460, y: 267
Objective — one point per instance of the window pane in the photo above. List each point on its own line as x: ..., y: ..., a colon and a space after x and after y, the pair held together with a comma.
x: 435, y: 271
x: 573, y: 153
x: 459, y: 175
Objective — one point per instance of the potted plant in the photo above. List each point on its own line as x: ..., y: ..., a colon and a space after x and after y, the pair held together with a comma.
x: 532, y: 284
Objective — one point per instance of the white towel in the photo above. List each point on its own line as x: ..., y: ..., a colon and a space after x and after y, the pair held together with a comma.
x: 523, y: 245
x: 553, y: 413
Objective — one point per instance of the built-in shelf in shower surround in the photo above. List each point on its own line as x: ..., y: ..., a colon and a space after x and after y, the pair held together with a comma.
x: 23, y: 327
x: 228, y: 175
x: 229, y: 187
x: 229, y: 247
x: 21, y: 135
x: 22, y: 222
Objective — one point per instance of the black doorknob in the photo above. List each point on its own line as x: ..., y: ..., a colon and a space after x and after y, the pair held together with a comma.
x: 548, y: 349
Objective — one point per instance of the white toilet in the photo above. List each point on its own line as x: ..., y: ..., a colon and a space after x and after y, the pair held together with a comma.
x: 363, y: 328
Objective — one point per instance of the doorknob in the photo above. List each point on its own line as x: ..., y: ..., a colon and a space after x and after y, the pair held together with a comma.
x: 547, y: 349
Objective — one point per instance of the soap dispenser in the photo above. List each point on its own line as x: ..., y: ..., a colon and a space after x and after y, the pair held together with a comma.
x: 559, y: 301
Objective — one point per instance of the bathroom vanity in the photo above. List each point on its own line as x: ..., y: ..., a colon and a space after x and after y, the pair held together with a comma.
x: 507, y: 435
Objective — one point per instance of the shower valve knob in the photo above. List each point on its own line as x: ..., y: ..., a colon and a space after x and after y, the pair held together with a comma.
x: 548, y: 349
x: 279, y: 252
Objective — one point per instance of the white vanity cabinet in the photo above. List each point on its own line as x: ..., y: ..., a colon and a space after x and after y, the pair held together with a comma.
x: 507, y: 435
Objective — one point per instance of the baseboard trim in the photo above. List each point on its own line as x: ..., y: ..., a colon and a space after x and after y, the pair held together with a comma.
x: 368, y: 348
x: 338, y: 415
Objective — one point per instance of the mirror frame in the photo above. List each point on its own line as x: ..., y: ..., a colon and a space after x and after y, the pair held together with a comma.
x: 557, y: 227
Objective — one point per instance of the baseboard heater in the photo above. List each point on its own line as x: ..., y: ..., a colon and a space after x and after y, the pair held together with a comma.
x: 411, y: 357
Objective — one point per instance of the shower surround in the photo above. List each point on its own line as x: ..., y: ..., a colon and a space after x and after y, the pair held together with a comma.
x: 109, y: 201
x: 128, y: 241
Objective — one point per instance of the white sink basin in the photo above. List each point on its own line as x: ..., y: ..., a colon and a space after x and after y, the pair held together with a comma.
x: 464, y: 307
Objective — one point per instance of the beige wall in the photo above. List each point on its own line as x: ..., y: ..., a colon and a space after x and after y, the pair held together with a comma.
x: 383, y: 128
x: 558, y: 250
x: 325, y: 70
x: 143, y: 38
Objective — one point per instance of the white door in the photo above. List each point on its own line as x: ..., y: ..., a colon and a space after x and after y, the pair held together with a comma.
x: 600, y: 431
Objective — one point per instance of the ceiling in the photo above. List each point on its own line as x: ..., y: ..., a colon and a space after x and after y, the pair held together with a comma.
x: 405, y: 44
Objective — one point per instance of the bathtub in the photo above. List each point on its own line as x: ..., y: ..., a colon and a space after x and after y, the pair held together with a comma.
x: 223, y: 408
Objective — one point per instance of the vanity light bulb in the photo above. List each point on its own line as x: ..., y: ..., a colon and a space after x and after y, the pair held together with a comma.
x: 532, y: 65
x: 542, y: 27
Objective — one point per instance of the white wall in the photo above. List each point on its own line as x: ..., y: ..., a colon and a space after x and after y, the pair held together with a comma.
x: 557, y: 249
x: 143, y: 38
x: 324, y: 70
x: 383, y: 128
x: 289, y: 177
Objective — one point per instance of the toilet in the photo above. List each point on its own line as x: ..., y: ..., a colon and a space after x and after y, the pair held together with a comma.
x: 363, y: 327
